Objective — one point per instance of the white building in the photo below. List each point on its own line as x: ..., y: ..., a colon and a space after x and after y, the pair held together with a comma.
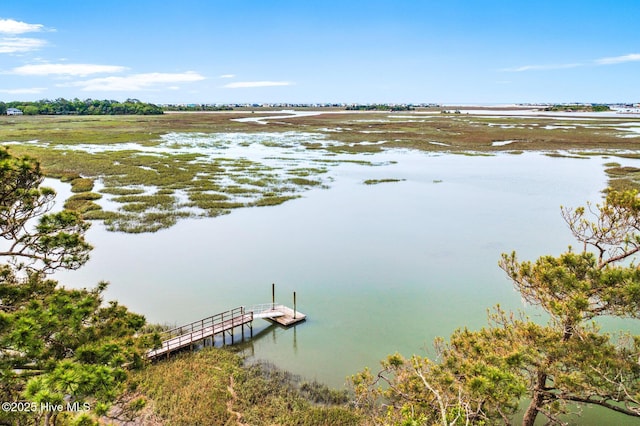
x: 14, y: 111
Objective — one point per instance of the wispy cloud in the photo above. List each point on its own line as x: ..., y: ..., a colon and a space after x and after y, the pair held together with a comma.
x: 542, y: 67
x: 246, y: 84
x: 135, y: 82
x: 632, y: 57
x: 20, y: 44
x: 10, y: 26
x: 80, y: 70
x: 227, y: 76
x: 31, y: 90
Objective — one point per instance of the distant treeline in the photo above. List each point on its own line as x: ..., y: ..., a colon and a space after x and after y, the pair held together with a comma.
x: 579, y: 107
x: 197, y: 107
x: 380, y: 107
x: 76, y: 106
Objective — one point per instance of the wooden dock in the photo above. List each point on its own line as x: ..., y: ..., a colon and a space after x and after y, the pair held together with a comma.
x: 223, y: 324
x: 289, y: 316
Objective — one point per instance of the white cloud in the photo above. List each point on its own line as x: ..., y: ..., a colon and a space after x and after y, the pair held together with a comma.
x: 135, y: 81
x: 245, y: 84
x: 542, y: 67
x: 10, y: 26
x: 20, y: 44
x: 227, y: 76
x: 66, y: 69
x: 32, y: 90
x: 632, y: 57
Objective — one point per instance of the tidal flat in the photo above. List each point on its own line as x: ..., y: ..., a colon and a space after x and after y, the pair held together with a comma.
x: 144, y: 173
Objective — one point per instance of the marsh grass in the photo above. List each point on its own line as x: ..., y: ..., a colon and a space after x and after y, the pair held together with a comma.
x: 561, y: 155
x: 145, y: 185
x: 83, y: 202
x: 273, y: 200
x: 307, y: 171
x: 122, y: 191
x: 112, y: 149
x: 298, y: 181
x: 158, y: 201
x: 473, y: 154
x: 622, y: 178
x: 107, y: 217
x: 81, y: 185
x: 196, y: 196
x: 213, y: 387
x: 378, y: 181
x: 144, y: 222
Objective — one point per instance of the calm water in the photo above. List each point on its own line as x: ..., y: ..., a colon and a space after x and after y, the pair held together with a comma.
x: 377, y: 268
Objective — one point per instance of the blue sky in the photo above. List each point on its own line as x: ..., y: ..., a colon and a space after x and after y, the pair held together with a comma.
x: 210, y: 51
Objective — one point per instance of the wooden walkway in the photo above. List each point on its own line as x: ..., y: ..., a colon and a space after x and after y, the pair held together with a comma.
x: 223, y: 323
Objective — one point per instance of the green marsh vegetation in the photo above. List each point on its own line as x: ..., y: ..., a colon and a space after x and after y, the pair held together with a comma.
x: 152, y: 170
x: 213, y: 386
x: 386, y: 180
x: 471, y: 132
x: 622, y: 178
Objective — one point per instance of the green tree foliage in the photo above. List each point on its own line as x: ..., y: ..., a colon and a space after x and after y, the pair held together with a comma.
x: 483, y: 376
x: 579, y: 107
x: 57, y: 345
x: 56, y: 241
x: 76, y: 106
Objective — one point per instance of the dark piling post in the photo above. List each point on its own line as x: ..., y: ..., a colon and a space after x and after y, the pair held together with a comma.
x: 224, y: 336
x: 242, y: 323
x: 273, y: 296
x: 294, y: 305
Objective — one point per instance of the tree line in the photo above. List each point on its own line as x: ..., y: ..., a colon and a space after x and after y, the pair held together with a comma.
x: 77, y: 106
x: 578, y: 107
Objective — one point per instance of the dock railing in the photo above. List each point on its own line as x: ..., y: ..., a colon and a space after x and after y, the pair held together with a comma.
x: 266, y: 310
x: 224, y: 323
x: 196, y: 326
x: 198, y: 330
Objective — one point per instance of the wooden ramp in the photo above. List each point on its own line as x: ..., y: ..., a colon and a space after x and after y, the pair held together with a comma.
x: 223, y: 323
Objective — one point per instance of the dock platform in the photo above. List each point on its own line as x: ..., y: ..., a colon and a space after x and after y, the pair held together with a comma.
x: 289, y: 318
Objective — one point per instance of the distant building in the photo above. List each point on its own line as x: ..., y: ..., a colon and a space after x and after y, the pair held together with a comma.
x: 14, y: 111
